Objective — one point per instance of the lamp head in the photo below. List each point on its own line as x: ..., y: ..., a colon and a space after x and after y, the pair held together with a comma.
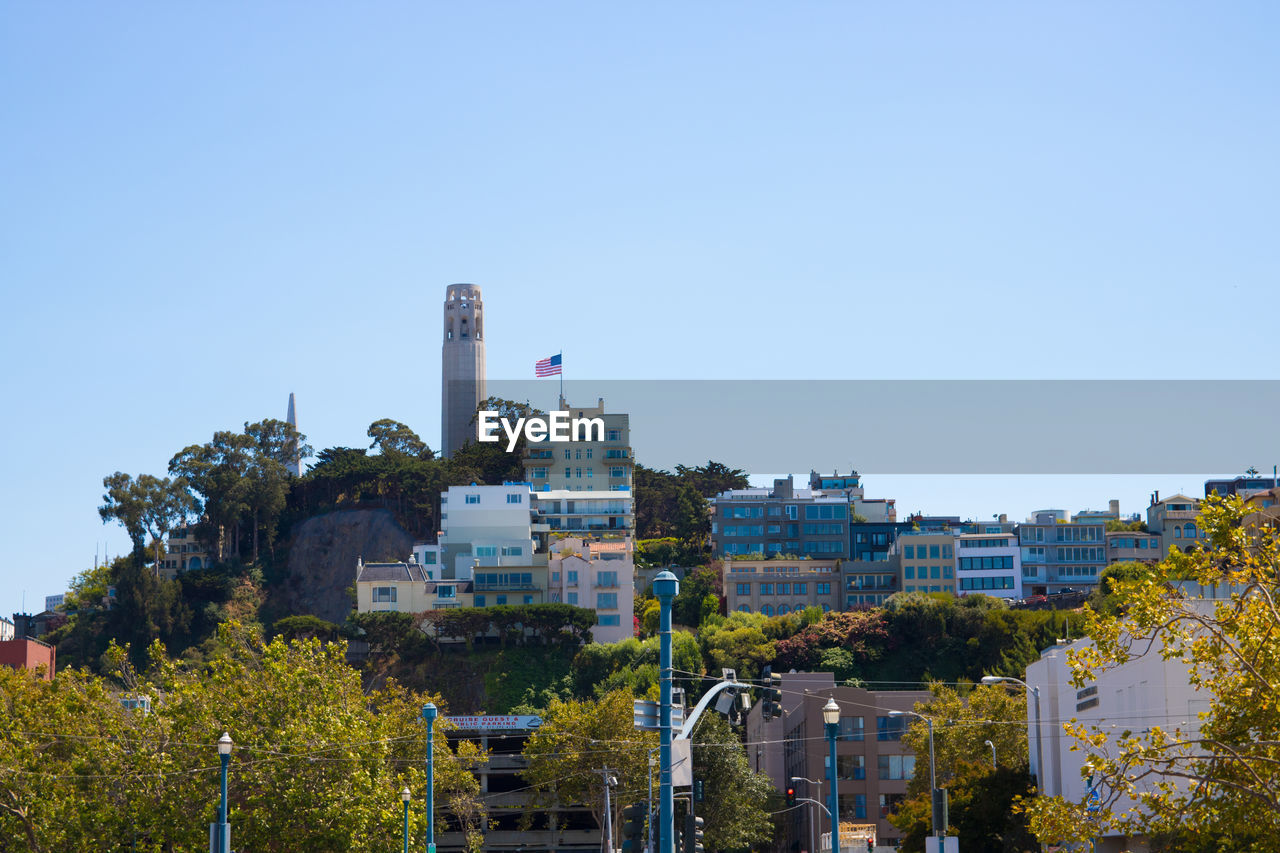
x: 991, y: 679
x: 224, y: 744
x: 404, y: 795
x: 429, y: 711
x: 831, y: 712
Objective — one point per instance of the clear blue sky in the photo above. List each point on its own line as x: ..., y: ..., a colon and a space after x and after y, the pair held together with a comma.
x: 204, y: 207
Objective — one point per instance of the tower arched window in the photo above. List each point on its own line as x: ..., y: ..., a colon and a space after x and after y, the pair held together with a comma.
x: 766, y: 609
x: 783, y: 609
x: 1189, y: 531
x: 464, y: 328
x: 1177, y: 532
x: 743, y: 608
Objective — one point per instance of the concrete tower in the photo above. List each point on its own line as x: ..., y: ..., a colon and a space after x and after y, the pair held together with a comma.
x: 294, y: 465
x: 462, y: 385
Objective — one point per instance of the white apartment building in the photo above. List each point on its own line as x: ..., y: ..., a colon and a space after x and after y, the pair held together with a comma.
x: 1136, y: 696
x: 483, y: 526
x: 989, y: 563
x: 587, y: 514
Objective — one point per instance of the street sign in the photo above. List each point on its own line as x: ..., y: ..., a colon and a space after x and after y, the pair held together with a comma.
x: 495, y: 722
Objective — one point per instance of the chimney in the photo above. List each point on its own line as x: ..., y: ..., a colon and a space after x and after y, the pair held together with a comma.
x: 1004, y: 517
x: 1115, y: 507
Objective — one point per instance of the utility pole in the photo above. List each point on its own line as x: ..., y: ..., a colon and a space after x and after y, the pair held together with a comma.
x: 609, y: 782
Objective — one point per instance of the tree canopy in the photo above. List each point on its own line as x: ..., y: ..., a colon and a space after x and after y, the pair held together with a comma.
x: 1209, y: 783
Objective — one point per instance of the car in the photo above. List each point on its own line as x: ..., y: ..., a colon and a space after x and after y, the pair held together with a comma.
x: 1066, y: 590
x: 1035, y: 599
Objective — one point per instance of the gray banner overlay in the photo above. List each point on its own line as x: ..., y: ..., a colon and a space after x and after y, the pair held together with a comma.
x: 937, y: 426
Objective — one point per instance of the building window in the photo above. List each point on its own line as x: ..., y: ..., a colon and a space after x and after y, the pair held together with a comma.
x: 384, y: 594
x: 851, y: 729
x: 486, y: 550
x: 539, y: 473
x: 607, y: 601
x: 850, y: 767
x: 890, y: 728
x: 573, y: 578
x: 555, y: 577
x: 502, y: 599
x: 613, y: 435
x: 766, y: 610
x: 742, y: 608
x: 515, y: 499
x: 895, y: 767
x: 744, y: 589
x: 480, y: 601
x: 766, y: 589
x: 445, y: 592
x: 573, y: 599
x: 784, y: 589
x: 608, y: 580
x: 617, y: 472
x: 512, y: 551
x: 566, y: 454
x: 889, y: 803
x: 909, y: 552
x: 824, y: 588
x: 909, y: 572
x: 801, y: 588
x: 611, y: 620
x: 528, y: 599
x: 473, y: 499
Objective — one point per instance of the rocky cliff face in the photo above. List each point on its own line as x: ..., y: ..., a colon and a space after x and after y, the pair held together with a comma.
x: 322, y: 558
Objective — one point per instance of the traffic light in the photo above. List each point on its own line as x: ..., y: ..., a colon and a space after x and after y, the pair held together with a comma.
x: 633, y: 817
x: 871, y: 846
x: 772, y: 696
x: 699, y: 795
x: 692, y: 834
x: 791, y: 797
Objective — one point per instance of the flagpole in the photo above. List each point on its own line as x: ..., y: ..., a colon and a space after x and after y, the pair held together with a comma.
x: 562, y: 377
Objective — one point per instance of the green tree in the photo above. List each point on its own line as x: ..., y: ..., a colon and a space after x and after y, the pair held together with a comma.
x: 578, y: 739
x: 980, y: 796
x: 735, y: 796
x: 738, y: 642
x: 393, y: 438
x: 1218, y: 774
x: 125, y: 502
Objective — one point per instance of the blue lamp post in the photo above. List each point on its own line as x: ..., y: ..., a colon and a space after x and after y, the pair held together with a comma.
x: 404, y: 795
x: 665, y: 587
x: 429, y: 714
x: 831, y: 722
x: 222, y: 832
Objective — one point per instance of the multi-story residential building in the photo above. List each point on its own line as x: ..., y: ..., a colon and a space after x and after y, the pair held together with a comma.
x: 871, y: 575
x: 1132, y: 546
x: 1059, y: 554
x: 873, y: 765
x: 989, y: 563
x: 602, y: 462
x: 592, y: 515
x: 850, y: 485
x: 407, y: 588
x: 927, y: 560
x: 6, y: 628
x: 1242, y: 486
x: 599, y: 576
x: 870, y: 540
x: 779, y: 587
x: 183, y: 553
x: 781, y: 520
x: 1174, y: 521
x: 485, y: 526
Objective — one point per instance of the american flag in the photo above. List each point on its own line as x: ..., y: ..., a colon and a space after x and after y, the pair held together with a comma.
x: 547, y: 367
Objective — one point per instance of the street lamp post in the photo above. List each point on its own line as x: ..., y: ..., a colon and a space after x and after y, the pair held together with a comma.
x: 222, y: 834
x: 813, y: 814
x: 938, y: 831
x: 665, y: 587
x: 429, y: 714
x: 831, y: 722
x: 404, y: 795
x: 994, y: 766
x: 1037, y: 772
